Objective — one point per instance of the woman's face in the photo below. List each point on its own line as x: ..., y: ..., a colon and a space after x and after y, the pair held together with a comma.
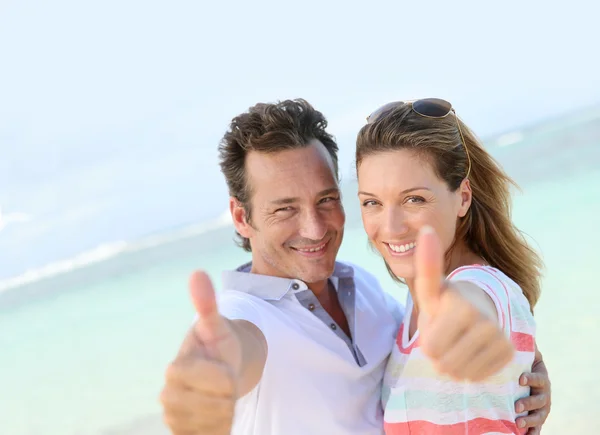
x: 399, y: 192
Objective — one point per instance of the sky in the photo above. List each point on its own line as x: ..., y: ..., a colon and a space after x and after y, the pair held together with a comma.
x: 111, y: 112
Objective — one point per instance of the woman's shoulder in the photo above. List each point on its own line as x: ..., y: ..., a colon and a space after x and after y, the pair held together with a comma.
x: 484, y: 274
x: 504, y: 291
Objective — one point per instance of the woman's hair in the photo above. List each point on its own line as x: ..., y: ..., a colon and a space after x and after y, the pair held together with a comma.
x: 487, y: 228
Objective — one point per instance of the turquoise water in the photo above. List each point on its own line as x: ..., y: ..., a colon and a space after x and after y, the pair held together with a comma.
x: 89, y: 358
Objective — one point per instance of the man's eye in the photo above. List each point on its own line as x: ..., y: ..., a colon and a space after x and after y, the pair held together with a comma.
x: 283, y: 209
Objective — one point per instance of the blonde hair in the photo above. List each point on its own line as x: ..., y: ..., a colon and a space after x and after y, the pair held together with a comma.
x: 487, y: 228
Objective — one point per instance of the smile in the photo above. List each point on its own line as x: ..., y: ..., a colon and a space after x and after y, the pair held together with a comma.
x: 312, y: 251
x: 399, y: 249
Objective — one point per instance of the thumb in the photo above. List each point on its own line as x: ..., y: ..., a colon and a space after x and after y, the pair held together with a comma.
x: 211, y: 329
x: 429, y: 267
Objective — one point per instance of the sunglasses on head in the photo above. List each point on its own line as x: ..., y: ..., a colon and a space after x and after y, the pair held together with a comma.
x: 426, y: 107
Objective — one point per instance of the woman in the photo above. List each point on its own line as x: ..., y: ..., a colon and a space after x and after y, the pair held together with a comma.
x: 435, y: 204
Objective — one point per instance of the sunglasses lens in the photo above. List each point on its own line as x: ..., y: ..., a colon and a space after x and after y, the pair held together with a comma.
x: 383, y: 109
x: 432, y: 107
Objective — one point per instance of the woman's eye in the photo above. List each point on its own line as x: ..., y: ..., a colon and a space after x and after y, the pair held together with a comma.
x: 369, y: 203
x: 415, y: 200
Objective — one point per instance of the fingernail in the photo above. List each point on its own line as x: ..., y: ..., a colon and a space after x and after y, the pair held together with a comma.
x: 520, y: 408
x: 426, y: 229
x: 524, y: 380
x: 522, y: 423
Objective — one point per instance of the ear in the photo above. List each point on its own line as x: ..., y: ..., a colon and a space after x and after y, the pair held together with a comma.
x: 466, y: 197
x: 240, y: 221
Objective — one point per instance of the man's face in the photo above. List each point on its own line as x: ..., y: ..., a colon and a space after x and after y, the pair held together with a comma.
x: 297, y: 218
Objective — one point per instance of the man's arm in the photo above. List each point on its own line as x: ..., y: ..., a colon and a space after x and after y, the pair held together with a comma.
x: 540, y: 401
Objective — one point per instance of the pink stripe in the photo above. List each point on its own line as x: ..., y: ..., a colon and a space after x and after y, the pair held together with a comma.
x: 523, y: 342
x: 405, y: 350
x: 478, y: 426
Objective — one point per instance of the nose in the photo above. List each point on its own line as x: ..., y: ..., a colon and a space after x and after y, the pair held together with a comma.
x: 394, y: 223
x: 313, y: 225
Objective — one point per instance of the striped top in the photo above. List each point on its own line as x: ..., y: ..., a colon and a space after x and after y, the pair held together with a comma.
x: 418, y: 400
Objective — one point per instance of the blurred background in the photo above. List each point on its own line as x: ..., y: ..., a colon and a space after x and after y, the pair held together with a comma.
x: 110, y: 192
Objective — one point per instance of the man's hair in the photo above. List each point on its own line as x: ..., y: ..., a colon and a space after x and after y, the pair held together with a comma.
x: 269, y: 128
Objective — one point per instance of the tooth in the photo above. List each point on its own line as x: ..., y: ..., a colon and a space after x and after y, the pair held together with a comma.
x: 402, y: 248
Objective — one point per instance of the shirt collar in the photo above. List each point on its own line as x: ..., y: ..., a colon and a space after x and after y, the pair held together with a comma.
x: 271, y: 287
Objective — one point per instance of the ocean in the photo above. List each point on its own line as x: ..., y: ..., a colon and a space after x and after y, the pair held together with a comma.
x: 84, y: 342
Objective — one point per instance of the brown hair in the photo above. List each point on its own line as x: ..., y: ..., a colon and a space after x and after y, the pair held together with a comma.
x: 269, y: 128
x: 487, y: 228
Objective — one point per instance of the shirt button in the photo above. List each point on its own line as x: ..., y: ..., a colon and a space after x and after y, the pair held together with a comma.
x: 333, y: 326
x: 295, y: 286
x: 311, y: 307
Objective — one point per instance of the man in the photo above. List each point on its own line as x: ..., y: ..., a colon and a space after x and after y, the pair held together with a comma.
x: 301, y: 341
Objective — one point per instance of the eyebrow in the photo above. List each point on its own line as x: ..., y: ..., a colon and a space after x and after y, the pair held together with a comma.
x: 292, y: 200
x: 402, y: 193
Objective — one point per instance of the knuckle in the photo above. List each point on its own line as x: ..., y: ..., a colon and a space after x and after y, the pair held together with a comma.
x: 487, y: 330
x: 216, y: 379
x: 217, y: 376
x: 172, y: 372
x: 540, y: 381
x: 172, y: 421
x: 218, y: 408
x: 526, y: 402
x: 164, y: 396
x: 491, y: 328
x: 444, y: 368
x: 431, y: 347
x: 201, y: 374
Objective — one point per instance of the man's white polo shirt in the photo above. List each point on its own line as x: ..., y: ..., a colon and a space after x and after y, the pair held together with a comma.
x: 316, y: 379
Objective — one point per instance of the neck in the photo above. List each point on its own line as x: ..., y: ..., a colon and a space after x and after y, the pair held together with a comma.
x: 320, y: 288
x: 462, y: 256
